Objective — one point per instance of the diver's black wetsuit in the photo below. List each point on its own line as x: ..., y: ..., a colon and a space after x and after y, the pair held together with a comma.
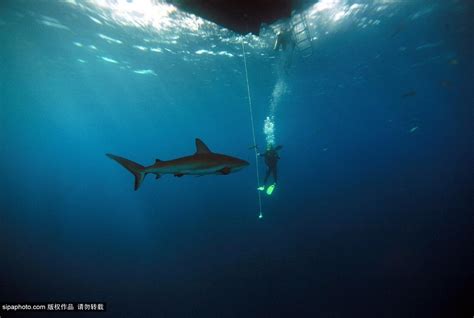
x: 285, y: 43
x: 271, y: 158
x: 283, y: 40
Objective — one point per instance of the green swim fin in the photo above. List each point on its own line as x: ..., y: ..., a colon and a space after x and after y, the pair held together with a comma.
x: 270, y: 189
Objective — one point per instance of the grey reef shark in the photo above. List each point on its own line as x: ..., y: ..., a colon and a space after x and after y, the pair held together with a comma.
x: 202, y: 162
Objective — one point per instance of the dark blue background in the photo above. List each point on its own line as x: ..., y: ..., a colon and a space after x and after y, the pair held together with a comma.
x: 369, y: 219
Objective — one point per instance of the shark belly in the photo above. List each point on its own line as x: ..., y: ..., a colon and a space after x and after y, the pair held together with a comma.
x: 185, y: 168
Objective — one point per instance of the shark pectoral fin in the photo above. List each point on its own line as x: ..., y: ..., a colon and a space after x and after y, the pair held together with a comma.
x: 179, y: 175
x: 225, y: 170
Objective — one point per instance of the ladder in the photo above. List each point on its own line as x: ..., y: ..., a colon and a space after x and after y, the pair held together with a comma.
x: 301, y: 35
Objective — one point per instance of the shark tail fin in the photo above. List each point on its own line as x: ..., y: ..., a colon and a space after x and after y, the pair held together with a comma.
x: 133, y: 167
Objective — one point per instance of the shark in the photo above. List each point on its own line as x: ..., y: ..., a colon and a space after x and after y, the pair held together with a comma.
x: 202, y: 162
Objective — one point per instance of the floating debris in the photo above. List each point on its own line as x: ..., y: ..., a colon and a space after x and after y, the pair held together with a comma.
x: 409, y: 94
x: 52, y: 22
x: 109, y: 39
x: 446, y: 83
x: 429, y: 45
x: 141, y: 48
x: 95, y: 20
x: 109, y: 60
x: 145, y: 72
x: 222, y: 53
x: 399, y: 29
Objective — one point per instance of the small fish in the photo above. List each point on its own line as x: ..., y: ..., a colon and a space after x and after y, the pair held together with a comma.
x: 399, y: 29
x: 409, y: 94
x: 413, y: 129
x: 445, y: 83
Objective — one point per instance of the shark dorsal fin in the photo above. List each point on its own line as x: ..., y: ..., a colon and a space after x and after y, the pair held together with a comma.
x: 201, y: 148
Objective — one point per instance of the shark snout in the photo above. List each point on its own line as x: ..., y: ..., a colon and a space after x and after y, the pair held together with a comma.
x: 240, y: 164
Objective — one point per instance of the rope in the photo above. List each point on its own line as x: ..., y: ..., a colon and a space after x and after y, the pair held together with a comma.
x: 260, y: 215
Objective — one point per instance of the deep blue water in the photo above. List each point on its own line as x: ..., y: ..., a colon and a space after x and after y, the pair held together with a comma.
x: 373, y: 213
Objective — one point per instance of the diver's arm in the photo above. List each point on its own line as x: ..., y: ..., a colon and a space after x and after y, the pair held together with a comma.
x: 278, y: 40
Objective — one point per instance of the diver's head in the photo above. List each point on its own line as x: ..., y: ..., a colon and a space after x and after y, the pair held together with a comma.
x: 281, y: 30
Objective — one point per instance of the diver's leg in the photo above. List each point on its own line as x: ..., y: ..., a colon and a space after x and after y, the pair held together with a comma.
x: 272, y: 186
x: 267, y: 176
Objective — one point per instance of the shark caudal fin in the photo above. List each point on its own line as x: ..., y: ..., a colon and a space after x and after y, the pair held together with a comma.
x: 131, y: 166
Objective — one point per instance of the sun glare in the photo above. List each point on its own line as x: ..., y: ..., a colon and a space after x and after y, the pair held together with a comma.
x: 147, y: 14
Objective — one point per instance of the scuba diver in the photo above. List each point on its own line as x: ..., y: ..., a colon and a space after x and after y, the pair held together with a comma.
x: 283, y: 40
x: 271, y: 158
x: 285, y: 43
